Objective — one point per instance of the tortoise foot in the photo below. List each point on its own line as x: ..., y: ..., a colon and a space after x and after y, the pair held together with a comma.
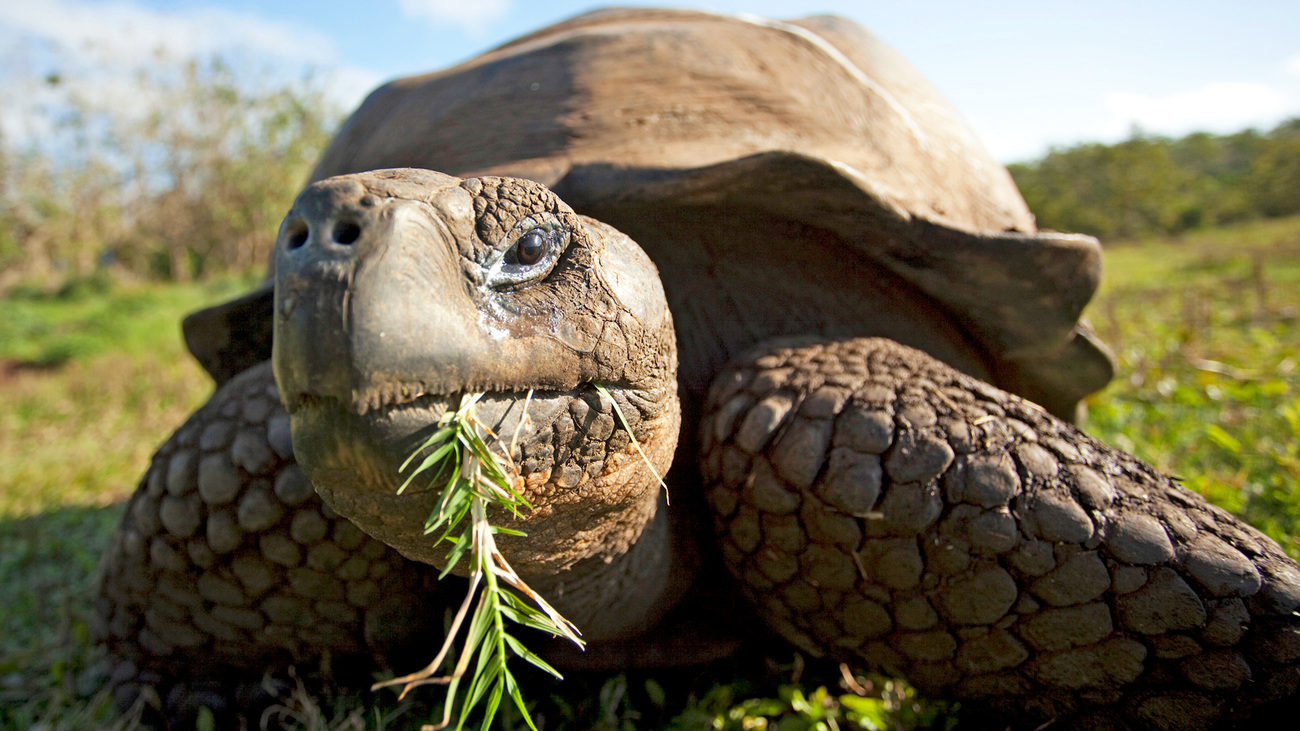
x: 883, y: 508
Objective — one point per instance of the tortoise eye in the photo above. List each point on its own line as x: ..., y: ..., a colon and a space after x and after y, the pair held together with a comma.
x: 531, y: 247
x: 530, y: 257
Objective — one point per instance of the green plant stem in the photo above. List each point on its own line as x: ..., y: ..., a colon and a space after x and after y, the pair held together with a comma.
x: 618, y: 410
x: 478, y: 476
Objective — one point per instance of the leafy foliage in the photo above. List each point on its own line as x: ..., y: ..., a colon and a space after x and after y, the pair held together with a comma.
x: 191, y: 181
x: 1154, y: 185
x: 862, y: 701
x: 473, y: 476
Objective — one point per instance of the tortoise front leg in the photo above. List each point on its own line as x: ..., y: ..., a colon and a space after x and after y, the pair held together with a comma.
x: 878, y: 506
x: 228, y: 566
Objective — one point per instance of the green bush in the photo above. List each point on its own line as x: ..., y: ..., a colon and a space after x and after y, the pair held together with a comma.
x: 1154, y: 185
x: 195, y: 185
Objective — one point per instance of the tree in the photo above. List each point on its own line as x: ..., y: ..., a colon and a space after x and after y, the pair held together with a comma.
x: 194, y: 185
x: 1153, y: 185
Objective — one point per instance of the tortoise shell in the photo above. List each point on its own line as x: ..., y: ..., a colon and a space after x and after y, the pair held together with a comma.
x: 662, y: 120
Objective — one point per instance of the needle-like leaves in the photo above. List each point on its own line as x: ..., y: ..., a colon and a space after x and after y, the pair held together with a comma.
x: 473, y: 476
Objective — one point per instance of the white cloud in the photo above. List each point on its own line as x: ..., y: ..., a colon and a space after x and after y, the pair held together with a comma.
x: 1292, y: 65
x: 470, y: 15
x: 97, y: 49
x: 1221, y: 106
x: 131, y: 34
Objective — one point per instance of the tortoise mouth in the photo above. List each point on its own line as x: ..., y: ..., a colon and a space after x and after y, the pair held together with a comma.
x: 371, y: 437
x: 377, y: 402
x: 385, y: 428
x: 380, y: 400
x: 569, y: 453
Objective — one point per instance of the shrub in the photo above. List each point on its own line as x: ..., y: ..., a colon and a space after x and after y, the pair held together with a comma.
x: 189, y: 180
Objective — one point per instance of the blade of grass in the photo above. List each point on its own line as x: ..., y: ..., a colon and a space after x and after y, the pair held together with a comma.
x: 636, y: 443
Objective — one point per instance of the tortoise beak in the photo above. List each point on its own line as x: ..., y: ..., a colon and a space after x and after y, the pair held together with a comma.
x: 323, y: 240
x: 354, y: 317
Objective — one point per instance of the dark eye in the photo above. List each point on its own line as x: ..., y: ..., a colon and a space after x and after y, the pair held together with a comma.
x: 531, y: 247
x: 530, y: 256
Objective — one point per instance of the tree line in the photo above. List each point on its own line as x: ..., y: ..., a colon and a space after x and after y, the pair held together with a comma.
x: 188, y: 180
x: 1148, y: 185
x: 192, y: 180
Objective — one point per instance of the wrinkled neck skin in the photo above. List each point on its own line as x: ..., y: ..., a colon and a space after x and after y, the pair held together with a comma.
x: 598, y: 543
x: 390, y: 308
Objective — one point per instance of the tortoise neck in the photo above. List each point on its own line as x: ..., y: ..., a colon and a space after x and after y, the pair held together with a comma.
x: 618, y: 597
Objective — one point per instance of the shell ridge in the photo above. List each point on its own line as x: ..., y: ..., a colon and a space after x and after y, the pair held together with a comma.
x: 838, y: 56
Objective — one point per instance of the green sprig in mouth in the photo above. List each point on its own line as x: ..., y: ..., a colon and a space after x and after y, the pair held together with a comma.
x: 474, y: 476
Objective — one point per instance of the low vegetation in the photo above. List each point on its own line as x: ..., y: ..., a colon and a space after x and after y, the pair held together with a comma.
x: 91, y: 382
x: 1207, y: 332
x: 1148, y: 185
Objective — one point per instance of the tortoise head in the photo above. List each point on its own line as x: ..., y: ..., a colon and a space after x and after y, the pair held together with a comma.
x: 399, y: 291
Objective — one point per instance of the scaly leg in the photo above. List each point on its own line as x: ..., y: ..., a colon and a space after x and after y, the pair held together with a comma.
x: 227, y: 566
x: 879, y: 506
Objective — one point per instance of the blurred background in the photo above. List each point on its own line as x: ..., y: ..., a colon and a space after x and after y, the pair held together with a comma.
x: 117, y: 118
x: 149, y: 148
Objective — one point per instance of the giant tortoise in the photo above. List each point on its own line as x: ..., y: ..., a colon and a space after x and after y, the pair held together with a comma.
x: 794, y: 270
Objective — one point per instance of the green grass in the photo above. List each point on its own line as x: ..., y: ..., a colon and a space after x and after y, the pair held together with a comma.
x: 98, y: 315
x: 91, y: 381
x: 1207, y: 333
x: 90, y: 384
x: 1206, y: 328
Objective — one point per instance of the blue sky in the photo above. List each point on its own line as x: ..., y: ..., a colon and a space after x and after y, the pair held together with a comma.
x: 1027, y: 75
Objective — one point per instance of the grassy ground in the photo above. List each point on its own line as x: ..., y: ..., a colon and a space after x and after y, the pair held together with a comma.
x: 1207, y: 333
x: 91, y: 381
x: 1206, y: 330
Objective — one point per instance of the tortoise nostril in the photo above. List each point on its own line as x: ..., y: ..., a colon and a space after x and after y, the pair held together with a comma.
x: 346, y: 232
x: 297, y: 234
